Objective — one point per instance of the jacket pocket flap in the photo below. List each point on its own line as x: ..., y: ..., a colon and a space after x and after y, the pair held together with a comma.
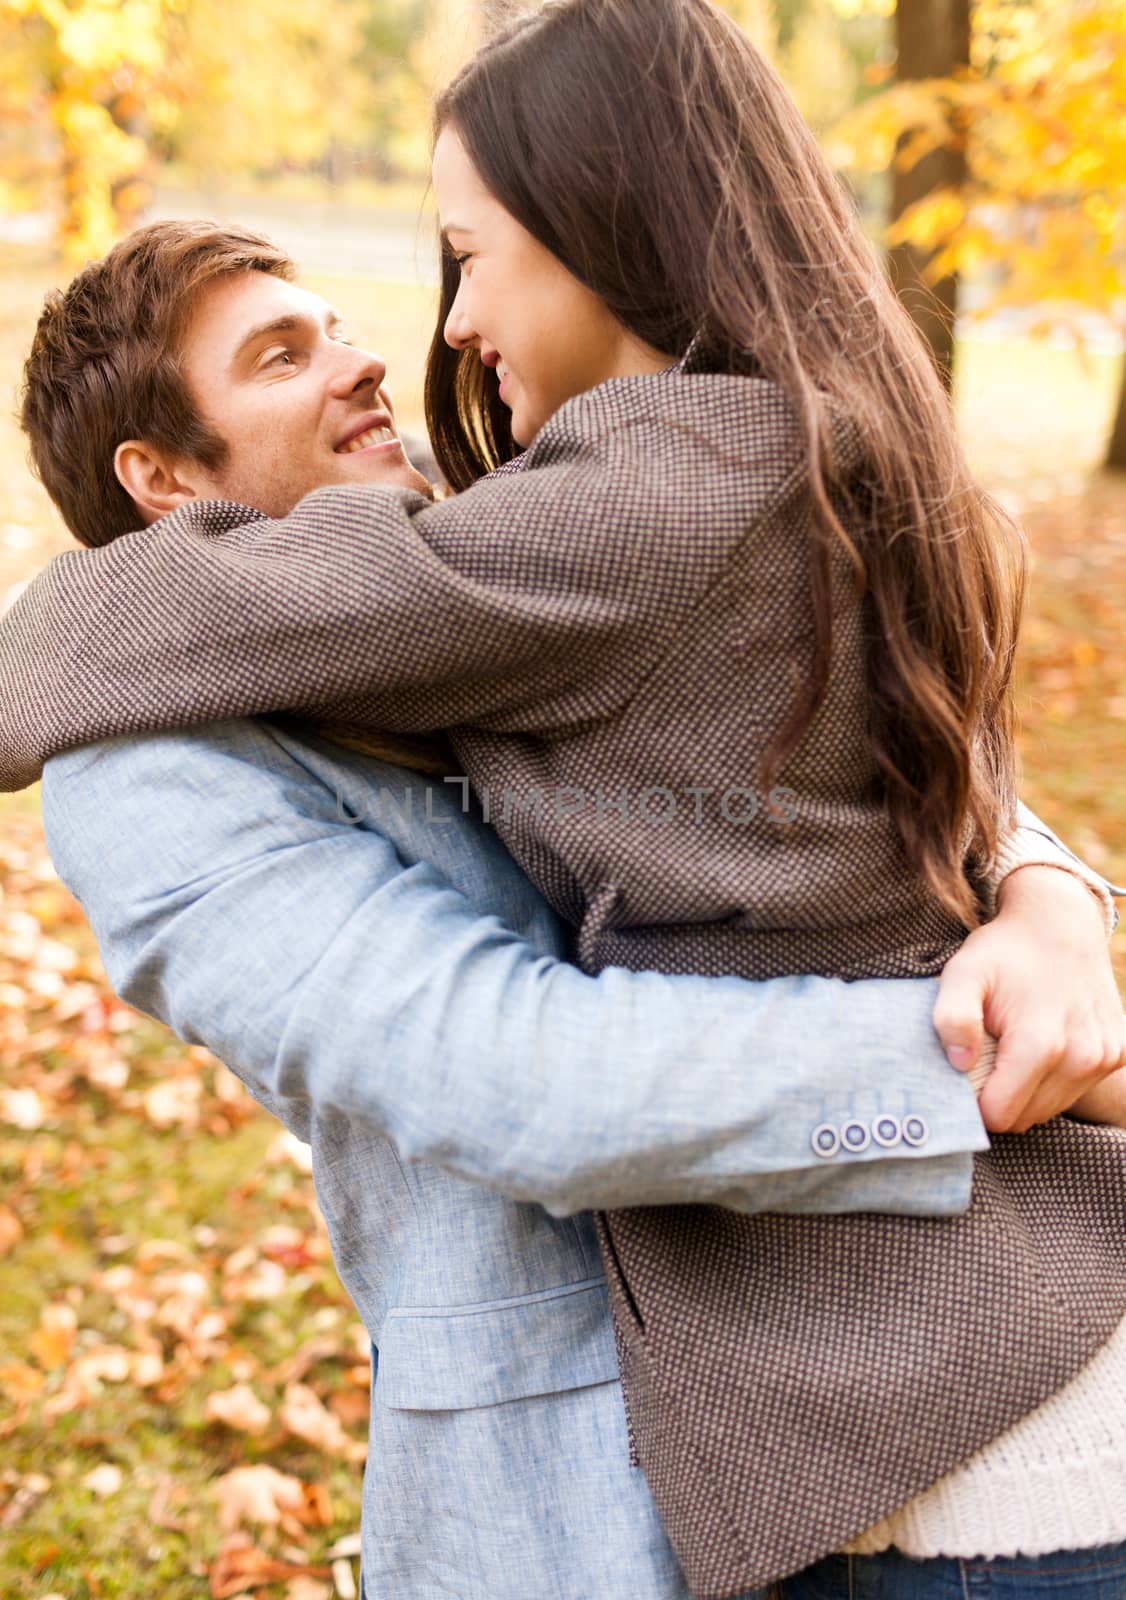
x: 452, y: 1360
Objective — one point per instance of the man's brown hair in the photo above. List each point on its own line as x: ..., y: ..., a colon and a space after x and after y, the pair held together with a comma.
x: 105, y: 365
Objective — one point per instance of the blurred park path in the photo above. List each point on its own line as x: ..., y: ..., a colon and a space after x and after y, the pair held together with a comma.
x: 391, y: 241
x: 384, y: 245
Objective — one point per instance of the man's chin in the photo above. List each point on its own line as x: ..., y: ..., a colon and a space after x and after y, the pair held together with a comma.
x: 397, y: 473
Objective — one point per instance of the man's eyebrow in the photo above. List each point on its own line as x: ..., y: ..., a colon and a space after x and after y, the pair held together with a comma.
x: 290, y: 323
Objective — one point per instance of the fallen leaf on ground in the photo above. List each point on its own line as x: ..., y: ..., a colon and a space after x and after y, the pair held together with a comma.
x: 21, y: 1382
x: 258, y: 1494
x: 352, y: 1406
x: 174, y: 1104
x: 53, y: 1340
x: 147, y: 1368
x: 104, y: 1481
x: 11, y: 1230
x: 350, y: 1545
x: 23, y: 1108
x: 264, y: 1281
x: 28, y: 1490
x: 242, y: 1567
x: 343, y: 1580
x: 303, y: 1414
x: 238, y: 1408
x: 308, y: 1589
x: 316, y: 1506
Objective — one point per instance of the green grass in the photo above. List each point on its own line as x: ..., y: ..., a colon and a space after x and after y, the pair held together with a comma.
x: 105, y: 1188
x: 151, y: 1187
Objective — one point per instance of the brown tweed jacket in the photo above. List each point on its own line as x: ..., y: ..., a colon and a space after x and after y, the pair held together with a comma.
x: 609, y: 637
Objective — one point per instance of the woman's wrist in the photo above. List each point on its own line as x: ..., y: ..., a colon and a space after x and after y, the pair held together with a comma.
x: 1054, y: 888
x: 1024, y: 849
x: 1105, y: 1103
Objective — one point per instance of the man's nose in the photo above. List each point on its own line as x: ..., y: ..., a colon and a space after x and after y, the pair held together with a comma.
x: 360, y: 369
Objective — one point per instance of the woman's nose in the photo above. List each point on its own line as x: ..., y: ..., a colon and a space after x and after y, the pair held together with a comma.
x: 459, y: 332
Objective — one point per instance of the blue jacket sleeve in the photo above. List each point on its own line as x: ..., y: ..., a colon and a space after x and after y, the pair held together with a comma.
x: 346, y: 937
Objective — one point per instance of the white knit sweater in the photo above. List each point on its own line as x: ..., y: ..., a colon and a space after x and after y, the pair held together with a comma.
x: 1054, y: 1481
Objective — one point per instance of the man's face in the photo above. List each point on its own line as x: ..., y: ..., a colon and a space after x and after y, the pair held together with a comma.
x: 270, y: 369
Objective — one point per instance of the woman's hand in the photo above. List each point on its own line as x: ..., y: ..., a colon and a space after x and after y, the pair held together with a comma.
x: 1105, y: 1103
x: 1038, y: 977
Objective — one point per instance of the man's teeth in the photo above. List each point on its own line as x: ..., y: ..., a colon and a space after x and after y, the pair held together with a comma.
x: 364, y: 441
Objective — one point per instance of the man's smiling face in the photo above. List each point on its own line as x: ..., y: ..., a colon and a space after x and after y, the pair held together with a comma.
x: 298, y: 407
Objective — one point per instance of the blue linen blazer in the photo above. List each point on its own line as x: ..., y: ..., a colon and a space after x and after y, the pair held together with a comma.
x: 361, y: 950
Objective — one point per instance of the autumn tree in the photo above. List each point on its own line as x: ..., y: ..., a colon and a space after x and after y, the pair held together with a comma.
x: 1039, y: 210
x: 91, y: 89
x: 75, y: 81
x: 263, y: 82
x: 932, y: 40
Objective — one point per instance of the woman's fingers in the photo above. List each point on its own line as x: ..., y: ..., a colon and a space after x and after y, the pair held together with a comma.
x: 1038, y: 977
x: 1042, y: 1071
x: 1094, y: 1053
x: 1106, y: 1103
x: 960, y: 1008
x: 1038, y: 1074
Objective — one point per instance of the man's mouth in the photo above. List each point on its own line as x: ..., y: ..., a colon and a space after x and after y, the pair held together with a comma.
x: 365, y: 441
x: 372, y: 430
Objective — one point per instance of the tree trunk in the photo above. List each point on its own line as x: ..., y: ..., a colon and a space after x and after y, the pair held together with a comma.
x: 1116, y: 450
x: 932, y: 41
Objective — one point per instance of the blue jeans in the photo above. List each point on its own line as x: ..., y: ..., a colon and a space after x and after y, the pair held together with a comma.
x: 1096, y: 1574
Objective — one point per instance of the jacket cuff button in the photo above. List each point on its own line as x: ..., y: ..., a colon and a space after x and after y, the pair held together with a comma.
x: 855, y: 1136
x: 886, y: 1131
x: 826, y: 1141
x: 915, y: 1132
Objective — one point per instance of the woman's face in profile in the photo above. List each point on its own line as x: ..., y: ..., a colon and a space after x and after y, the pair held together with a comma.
x: 546, y: 334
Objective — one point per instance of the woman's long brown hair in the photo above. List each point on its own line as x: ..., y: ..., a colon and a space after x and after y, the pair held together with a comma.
x: 658, y: 156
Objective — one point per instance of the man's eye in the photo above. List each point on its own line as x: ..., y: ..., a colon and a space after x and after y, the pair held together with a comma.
x: 461, y: 260
x: 283, y: 356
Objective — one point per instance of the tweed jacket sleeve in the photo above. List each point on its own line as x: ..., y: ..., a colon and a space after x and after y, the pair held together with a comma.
x: 535, y: 603
x: 532, y: 601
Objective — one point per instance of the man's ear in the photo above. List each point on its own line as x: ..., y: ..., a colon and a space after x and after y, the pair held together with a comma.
x: 153, y: 480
